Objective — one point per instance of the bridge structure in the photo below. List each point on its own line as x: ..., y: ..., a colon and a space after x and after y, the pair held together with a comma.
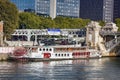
x: 32, y: 36
x: 48, y: 32
x: 112, y: 45
x: 105, y: 39
x: 113, y: 42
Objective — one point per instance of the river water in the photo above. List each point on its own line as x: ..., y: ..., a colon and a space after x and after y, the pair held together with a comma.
x: 92, y: 69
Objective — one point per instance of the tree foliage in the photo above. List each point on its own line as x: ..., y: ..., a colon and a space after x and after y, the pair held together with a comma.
x: 9, y: 15
x: 29, y: 20
x: 32, y: 21
x: 102, y: 23
x: 47, y: 22
x: 117, y: 21
x: 62, y: 22
x: 67, y: 22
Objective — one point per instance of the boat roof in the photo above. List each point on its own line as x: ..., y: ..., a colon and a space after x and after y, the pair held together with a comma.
x: 58, y: 46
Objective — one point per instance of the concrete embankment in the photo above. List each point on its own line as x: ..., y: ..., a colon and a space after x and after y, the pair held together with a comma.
x: 4, y: 57
x: 4, y: 52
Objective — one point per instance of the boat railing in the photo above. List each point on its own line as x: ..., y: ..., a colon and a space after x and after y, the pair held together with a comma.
x: 71, y: 51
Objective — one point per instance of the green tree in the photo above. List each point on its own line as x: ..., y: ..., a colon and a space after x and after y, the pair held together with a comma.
x: 102, y: 23
x: 9, y: 15
x: 66, y: 22
x: 29, y: 20
x: 79, y: 23
x: 85, y: 22
x: 32, y: 21
x: 62, y: 22
x: 47, y: 22
x: 117, y: 21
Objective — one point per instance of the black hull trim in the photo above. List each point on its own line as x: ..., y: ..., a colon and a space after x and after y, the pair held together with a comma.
x: 47, y: 59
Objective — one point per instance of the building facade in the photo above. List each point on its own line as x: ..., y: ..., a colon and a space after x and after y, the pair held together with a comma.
x: 24, y: 4
x: 50, y: 8
x: 106, y: 10
x: 68, y: 8
x: 55, y: 8
x: 116, y: 13
x: 91, y: 9
x: 42, y: 7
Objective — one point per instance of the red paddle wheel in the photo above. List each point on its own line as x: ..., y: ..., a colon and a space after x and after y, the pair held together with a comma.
x: 19, y: 51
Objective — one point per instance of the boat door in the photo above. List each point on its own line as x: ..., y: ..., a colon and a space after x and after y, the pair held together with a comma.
x: 47, y: 55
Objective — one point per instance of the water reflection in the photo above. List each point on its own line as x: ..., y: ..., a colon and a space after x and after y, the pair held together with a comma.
x: 93, y: 69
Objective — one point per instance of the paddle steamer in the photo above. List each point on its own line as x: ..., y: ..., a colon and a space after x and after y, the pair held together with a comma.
x: 59, y: 52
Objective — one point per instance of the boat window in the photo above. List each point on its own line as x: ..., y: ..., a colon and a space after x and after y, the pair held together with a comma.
x: 73, y: 54
x: 50, y: 49
x: 58, y: 54
x: 67, y: 54
x: 61, y: 54
x: 55, y: 54
x: 40, y: 49
x: 69, y: 49
x: 81, y: 53
x: 34, y: 49
x: 47, y: 49
x: 64, y: 54
x: 84, y: 53
x: 43, y: 49
x: 88, y: 53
